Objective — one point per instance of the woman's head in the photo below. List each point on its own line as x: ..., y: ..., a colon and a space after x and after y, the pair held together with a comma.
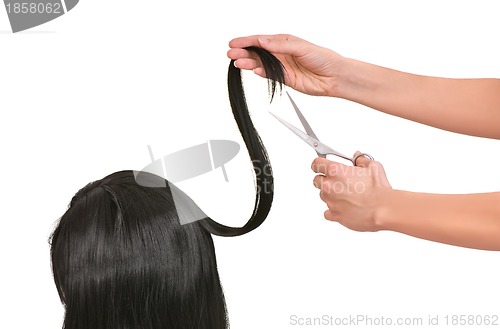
x: 122, y: 259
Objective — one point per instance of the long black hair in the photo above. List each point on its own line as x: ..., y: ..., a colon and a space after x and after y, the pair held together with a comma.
x: 121, y: 259
x: 264, y: 180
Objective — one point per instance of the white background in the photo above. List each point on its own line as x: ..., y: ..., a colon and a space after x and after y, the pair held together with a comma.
x: 82, y: 96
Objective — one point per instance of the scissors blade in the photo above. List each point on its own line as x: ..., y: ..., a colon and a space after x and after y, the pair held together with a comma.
x: 321, y: 149
x: 303, y: 120
x: 311, y: 141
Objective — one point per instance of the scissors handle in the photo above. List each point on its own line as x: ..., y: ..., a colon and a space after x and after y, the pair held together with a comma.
x: 323, y: 150
x: 366, y: 155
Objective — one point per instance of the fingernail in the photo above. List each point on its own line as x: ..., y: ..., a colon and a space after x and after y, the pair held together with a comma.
x: 263, y: 41
x: 234, y: 63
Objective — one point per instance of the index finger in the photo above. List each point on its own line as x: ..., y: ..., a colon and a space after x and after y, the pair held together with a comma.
x: 244, y: 42
x: 278, y: 43
x: 327, y: 167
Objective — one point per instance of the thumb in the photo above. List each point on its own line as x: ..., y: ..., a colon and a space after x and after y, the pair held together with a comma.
x: 374, y: 167
x: 361, y: 160
x: 380, y: 174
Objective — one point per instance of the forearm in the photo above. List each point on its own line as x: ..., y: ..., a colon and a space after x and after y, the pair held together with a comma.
x: 467, y: 220
x: 466, y: 106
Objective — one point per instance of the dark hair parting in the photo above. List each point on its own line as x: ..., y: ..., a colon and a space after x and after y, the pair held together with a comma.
x: 275, y: 73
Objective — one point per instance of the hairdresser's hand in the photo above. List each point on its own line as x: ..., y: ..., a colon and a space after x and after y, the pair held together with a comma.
x: 309, y: 68
x: 353, y: 194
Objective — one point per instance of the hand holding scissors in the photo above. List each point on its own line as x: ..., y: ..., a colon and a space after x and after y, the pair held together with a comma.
x: 312, y: 140
x: 350, y: 192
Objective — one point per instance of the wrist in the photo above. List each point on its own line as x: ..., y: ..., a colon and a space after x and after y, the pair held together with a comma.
x: 386, y: 212
x: 344, y: 78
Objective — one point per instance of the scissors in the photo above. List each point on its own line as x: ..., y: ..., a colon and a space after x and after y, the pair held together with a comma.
x: 312, y: 140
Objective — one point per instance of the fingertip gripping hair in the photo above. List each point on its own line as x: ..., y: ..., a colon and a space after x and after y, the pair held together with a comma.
x: 275, y: 73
